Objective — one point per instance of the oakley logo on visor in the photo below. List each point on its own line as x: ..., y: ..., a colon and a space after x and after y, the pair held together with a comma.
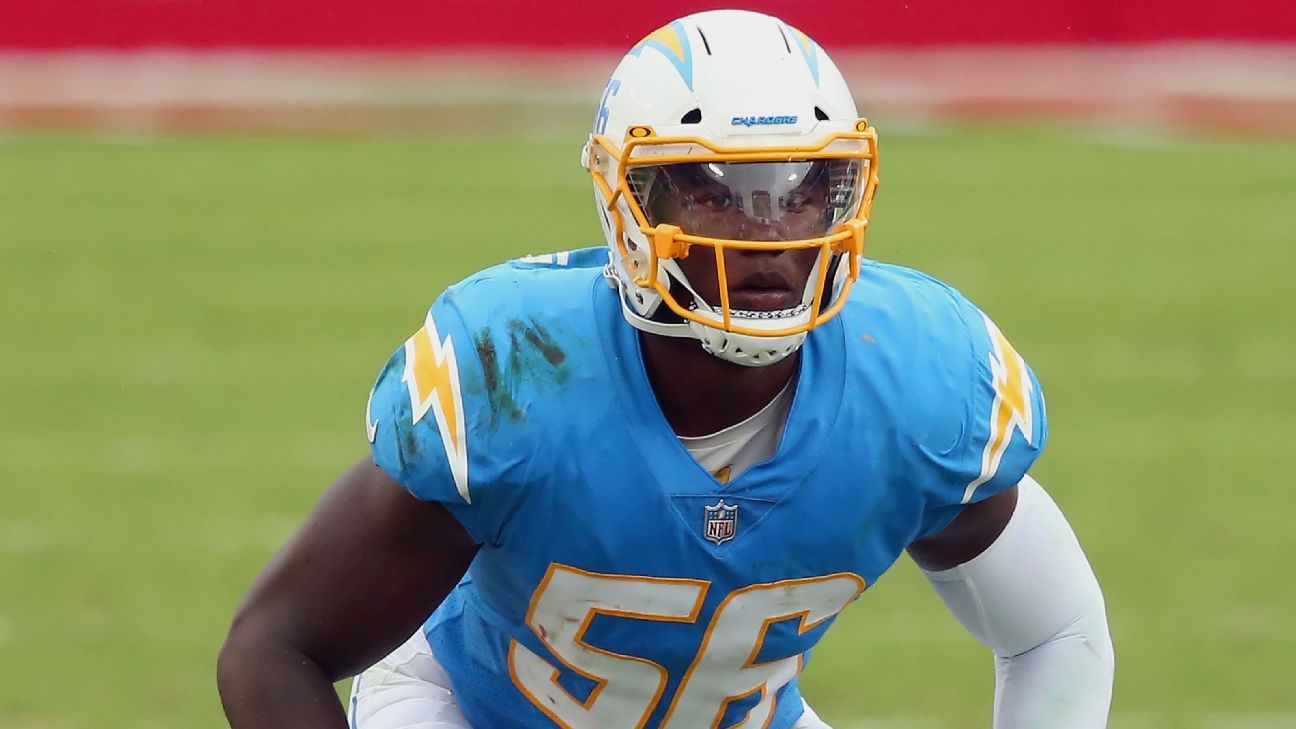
x: 751, y: 121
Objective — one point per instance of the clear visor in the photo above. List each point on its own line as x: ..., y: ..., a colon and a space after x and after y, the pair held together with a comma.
x: 750, y: 201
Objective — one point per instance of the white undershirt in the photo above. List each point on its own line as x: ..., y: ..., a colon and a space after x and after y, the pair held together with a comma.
x: 725, y: 454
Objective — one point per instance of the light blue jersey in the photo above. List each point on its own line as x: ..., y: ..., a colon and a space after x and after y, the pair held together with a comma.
x: 619, y: 584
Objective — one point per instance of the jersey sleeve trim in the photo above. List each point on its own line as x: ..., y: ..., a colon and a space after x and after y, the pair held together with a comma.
x: 432, y: 378
x: 1011, y: 410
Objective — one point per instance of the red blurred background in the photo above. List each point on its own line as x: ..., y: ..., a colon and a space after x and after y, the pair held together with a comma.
x: 412, y: 66
x: 547, y: 24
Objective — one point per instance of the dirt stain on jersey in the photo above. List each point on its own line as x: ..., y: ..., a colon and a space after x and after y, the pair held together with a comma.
x: 501, y: 399
x: 407, y: 444
x: 409, y: 450
x: 533, y: 356
x: 537, y: 337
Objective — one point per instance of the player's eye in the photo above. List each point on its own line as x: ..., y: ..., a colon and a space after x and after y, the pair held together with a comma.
x: 796, y: 202
x: 714, y: 201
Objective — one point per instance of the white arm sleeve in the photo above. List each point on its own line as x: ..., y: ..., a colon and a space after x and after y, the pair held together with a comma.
x: 1032, y: 598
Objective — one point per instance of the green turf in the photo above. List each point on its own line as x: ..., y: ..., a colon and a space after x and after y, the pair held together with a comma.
x: 189, y: 329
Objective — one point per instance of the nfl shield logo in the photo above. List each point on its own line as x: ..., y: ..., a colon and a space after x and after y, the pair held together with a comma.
x: 721, y: 522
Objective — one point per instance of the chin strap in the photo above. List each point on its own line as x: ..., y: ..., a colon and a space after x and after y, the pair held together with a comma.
x: 744, y: 349
x: 741, y: 349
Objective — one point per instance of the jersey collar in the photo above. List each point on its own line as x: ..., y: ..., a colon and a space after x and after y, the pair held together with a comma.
x: 810, y: 423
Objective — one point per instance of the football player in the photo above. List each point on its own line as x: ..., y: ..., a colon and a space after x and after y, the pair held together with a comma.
x: 632, y: 486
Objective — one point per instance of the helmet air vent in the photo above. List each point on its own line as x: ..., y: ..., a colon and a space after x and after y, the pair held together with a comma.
x: 705, y: 45
x: 820, y: 114
x: 693, y: 117
x: 786, y: 45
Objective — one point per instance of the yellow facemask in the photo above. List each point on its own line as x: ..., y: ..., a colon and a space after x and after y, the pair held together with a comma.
x: 620, y: 172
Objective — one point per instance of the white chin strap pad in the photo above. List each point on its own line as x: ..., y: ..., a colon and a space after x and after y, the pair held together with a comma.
x: 1032, y: 598
x: 744, y: 349
x: 639, y: 305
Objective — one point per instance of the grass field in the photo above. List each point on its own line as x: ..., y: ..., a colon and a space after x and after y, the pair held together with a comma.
x: 189, y: 328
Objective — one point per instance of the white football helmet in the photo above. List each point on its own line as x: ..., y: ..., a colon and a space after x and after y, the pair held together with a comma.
x: 735, y: 110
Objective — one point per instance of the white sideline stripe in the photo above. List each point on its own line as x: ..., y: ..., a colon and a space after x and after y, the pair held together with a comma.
x: 1149, y: 88
x: 1138, y: 75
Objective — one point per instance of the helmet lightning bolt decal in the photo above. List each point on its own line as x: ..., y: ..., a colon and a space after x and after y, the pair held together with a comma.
x: 809, y: 51
x: 672, y: 42
x: 432, y: 375
x: 1011, y: 409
